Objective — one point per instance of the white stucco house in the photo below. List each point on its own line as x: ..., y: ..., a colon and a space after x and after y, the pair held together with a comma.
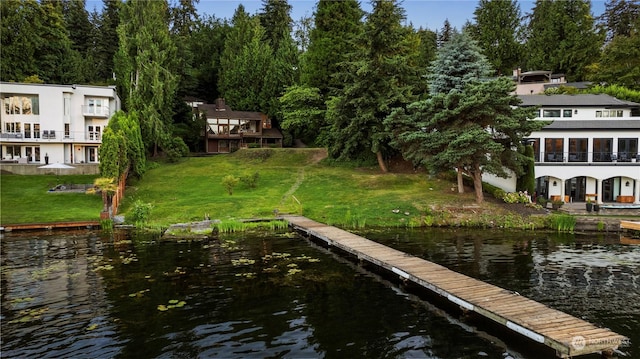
x: 589, y: 151
x: 43, y: 123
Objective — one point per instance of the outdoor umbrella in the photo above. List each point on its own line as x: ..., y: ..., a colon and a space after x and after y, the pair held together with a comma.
x: 57, y: 167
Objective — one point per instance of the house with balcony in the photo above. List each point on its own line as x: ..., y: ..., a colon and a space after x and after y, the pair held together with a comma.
x: 537, y: 82
x: 228, y: 130
x: 47, y: 123
x: 589, y: 151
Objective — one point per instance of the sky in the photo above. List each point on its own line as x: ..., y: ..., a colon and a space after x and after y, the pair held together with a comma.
x: 428, y: 14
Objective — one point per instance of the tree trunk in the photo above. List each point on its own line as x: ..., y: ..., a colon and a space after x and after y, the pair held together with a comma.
x: 460, y: 182
x: 383, y: 166
x: 477, y: 183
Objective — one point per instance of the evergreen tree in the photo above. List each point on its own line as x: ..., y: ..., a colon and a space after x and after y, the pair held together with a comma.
x: 476, y: 130
x: 337, y: 23
x: 77, y: 23
x: 107, y: 44
x: 562, y: 37
x: 619, y: 63
x: 19, y: 39
x: 183, y: 20
x: 380, y: 77
x: 446, y: 33
x: 459, y: 62
x: 283, y: 72
x: 276, y: 22
x: 621, y: 17
x: 245, y: 61
x: 497, y: 32
x: 207, y: 44
x: 145, y: 68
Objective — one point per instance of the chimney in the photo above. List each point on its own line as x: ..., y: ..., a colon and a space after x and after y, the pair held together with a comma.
x: 220, y: 106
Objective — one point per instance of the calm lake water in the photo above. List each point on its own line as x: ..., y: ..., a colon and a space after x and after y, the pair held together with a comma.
x: 88, y: 295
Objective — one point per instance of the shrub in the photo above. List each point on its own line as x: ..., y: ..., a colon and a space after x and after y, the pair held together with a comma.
x: 516, y: 197
x: 140, y: 212
x: 250, y: 180
x: 542, y: 200
x: 229, y: 182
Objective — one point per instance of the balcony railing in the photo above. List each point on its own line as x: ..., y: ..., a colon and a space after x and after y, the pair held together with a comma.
x: 52, y: 136
x: 101, y: 111
x: 583, y: 157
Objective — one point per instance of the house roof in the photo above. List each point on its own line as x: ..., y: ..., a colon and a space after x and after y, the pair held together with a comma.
x: 594, y: 125
x: 271, y: 133
x: 214, y: 111
x: 586, y: 100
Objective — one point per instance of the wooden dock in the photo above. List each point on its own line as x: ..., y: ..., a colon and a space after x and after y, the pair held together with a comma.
x: 567, y: 335
x: 630, y: 225
x: 38, y: 226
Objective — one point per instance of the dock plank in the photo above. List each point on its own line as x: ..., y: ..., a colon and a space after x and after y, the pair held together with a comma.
x: 527, y: 317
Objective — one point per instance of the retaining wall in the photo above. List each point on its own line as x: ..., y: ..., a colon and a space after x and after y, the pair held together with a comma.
x: 32, y: 169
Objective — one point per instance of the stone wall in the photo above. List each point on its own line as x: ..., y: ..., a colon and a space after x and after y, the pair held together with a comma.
x: 32, y: 169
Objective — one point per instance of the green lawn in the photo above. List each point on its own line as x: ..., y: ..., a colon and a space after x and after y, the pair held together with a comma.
x: 25, y: 199
x: 290, y: 180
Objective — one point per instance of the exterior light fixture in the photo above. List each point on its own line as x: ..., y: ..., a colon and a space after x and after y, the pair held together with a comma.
x: 555, y: 184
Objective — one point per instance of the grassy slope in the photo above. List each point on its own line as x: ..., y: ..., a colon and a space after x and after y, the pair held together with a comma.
x: 291, y: 180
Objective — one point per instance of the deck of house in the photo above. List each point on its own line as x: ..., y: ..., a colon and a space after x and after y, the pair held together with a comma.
x: 567, y: 335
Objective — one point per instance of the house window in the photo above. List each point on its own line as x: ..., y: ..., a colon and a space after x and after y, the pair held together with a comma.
x: 12, y: 127
x: 67, y: 130
x: 36, y: 130
x: 94, y: 132
x: 554, y: 148
x: 578, y: 148
x: 27, y: 130
x: 96, y: 106
x: 627, y: 149
x: 13, y: 152
x: 602, y: 149
x: 567, y: 113
x: 550, y: 113
x: 21, y: 105
x: 609, y: 113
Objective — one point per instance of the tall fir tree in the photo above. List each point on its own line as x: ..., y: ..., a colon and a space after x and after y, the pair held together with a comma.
x: 277, y: 24
x: 621, y: 17
x: 563, y: 37
x: 145, y: 68
x: 336, y: 24
x: 498, y: 31
x: 245, y: 61
x: 183, y: 21
x: 445, y: 33
x: 207, y: 44
x: 380, y: 76
x: 107, y: 46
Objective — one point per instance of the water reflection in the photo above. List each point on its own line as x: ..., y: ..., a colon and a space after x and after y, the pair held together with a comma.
x: 595, y: 278
x: 81, y: 294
